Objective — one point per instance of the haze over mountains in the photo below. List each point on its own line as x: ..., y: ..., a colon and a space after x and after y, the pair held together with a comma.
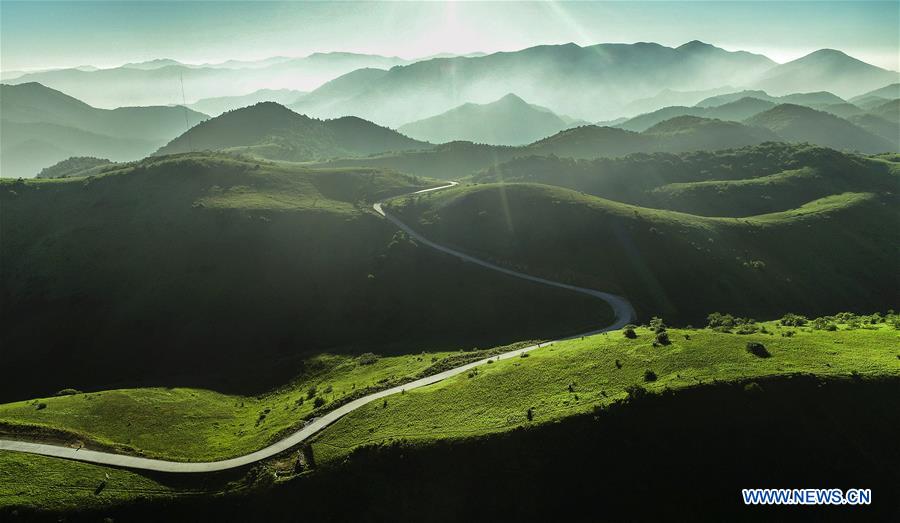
x: 599, y: 82
x: 509, y: 98
x: 160, y: 82
x: 275, y: 132
x: 507, y: 121
x: 42, y: 126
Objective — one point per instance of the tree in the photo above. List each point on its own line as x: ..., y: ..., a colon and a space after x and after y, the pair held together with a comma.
x: 662, y: 338
x: 757, y: 349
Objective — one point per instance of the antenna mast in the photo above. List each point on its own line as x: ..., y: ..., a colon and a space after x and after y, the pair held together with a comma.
x: 187, y: 126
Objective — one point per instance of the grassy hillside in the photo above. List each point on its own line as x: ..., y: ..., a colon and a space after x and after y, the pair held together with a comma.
x: 575, y: 377
x: 507, y: 121
x: 458, y: 159
x: 742, y: 182
x: 568, y: 390
x: 216, y: 271
x: 272, y: 131
x: 76, y: 166
x: 662, y: 260
x: 796, y: 123
x: 205, y: 425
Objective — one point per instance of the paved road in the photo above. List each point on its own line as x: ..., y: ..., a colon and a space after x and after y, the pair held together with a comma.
x: 622, y: 308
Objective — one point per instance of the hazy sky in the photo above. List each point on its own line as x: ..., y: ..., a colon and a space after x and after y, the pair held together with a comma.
x: 38, y: 34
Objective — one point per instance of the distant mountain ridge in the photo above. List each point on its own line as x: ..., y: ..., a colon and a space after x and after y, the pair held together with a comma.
x: 604, y: 76
x: 507, y: 121
x: 160, y: 83
x: 41, y: 126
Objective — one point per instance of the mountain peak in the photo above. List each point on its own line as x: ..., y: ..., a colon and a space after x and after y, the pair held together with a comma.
x: 511, y: 98
x: 696, y: 45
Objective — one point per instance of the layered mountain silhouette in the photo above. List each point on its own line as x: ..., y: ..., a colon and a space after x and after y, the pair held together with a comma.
x: 796, y: 123
x: 825, y: 69
x: 507, y: 121
x: 737, y: 110
x: 140, y: 84
x: 272, y: 131
x: 877, y: 97
x: 591, y: 82
x: 220, y: 104
x: 41, y: 126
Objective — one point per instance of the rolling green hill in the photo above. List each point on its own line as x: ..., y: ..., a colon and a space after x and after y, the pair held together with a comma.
x: 226, y: 272
x: 459, y: 159
x: 763, y: 179
x: 76, y: 166
x: 274, y: 132
x: 583, y: 391
x: 662, y: 260
x: 796, y: 123
x: 507, y: 121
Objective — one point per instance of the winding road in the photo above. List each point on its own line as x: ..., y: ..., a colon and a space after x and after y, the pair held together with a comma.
x: 624, y: 314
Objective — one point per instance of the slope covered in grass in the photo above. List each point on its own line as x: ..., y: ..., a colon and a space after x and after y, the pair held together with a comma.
x: 573, y: 377
x: 742, y: 182
x: 829, y: 254
x: 216, y: 271
x: 187, y: 424
x: 458, y: 159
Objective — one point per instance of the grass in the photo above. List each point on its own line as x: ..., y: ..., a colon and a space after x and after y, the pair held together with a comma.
x: 831, y: 253
x: 574, y: 377
x: 212, y: 271
x: 201, y: 425
x: 56, y: 484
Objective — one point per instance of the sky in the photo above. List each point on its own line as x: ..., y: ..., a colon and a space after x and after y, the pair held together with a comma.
x: 38, y: 34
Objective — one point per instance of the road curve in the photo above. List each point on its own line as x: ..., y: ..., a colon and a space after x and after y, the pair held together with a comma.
x: 623, y: 310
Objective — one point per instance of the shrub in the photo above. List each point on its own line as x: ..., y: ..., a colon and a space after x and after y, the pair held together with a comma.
x: 328, y: 389
x: 747, y: 328
x: 318, y: 402
x: 311, y: 392
x: 823, y: 324
x: 523, y: 355
x: 649, y: 375
x: 753, y: 388
x: 41, y: 406
x: 662, y: 338
x: 367, y: 358
x: 635, y: 392
x: 529, y: 414
x: 793, y: 320
x: 68, y: 392
x: 618, y: 364
x: 719, y: 320
x: 629, y: 333
x: 657, y: 324
x: 757, y: 349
